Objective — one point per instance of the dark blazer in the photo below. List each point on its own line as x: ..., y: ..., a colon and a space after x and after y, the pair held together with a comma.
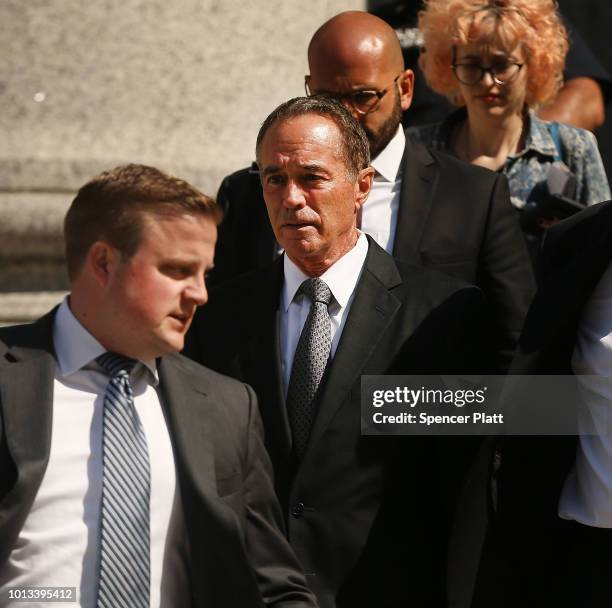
x: 237, y: 550
x: 533, y: 470
x: 453, y: 217
x: 368, y: 517
x: 575, y: 254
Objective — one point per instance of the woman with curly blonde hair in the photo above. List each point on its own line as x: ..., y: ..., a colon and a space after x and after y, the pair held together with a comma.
x: 500, y: 60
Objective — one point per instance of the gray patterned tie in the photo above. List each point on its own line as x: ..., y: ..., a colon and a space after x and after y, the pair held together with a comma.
x: 309, y: 363
x: 126, y: 490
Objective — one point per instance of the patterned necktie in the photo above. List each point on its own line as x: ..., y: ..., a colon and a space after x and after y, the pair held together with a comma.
x: 309, y: 362
x: 126, y: 489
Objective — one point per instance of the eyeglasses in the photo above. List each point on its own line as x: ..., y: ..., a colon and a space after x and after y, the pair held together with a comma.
x: 363, y: 102
x: 502, y: 72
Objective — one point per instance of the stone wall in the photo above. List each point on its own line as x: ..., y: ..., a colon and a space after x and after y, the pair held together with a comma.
x: 182, y: 85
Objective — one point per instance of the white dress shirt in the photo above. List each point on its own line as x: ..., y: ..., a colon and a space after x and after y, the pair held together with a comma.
x: 379, y: 213
x: 587, y: 493
x: 60, y: 540
x: 341, y: 278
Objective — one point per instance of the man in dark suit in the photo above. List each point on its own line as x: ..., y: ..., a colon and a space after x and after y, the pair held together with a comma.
x: 555, y: 492
x: 425, y: 207
x: 368, y: 517
x: 152, y: 488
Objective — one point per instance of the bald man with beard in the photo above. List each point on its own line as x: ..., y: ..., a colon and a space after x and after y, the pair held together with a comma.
x: 425, y: 207
x: 354, y: 57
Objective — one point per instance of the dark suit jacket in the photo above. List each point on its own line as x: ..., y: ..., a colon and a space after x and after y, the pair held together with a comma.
x: 368, y: 517
x: 533, y: 470
x: 575, y: 254
x: 453, y: 217
x: 237, y: 549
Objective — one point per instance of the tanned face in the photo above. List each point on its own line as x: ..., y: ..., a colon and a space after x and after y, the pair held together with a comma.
x: 311, y: 198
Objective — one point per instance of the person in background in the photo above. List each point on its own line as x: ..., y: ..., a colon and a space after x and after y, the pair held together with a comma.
x: 586, y: 90
x: 425, y: 207
x: 581, y: 101
x: 499, y: 61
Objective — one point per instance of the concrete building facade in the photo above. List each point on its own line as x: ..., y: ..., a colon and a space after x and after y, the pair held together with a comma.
x: 181, y: 85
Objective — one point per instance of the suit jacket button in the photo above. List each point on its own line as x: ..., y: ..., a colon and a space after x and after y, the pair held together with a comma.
x: 297, y: 510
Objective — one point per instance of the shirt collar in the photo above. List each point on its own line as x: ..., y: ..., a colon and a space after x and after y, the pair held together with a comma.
x: 76, y: 348
x: 388, y: 161
x: 341, y: 278
x: 538, y: 136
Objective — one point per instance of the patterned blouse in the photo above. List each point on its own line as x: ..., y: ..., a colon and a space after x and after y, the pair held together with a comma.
x: 527, y: 171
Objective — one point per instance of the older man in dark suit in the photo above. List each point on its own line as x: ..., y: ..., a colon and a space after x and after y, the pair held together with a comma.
x: 424, y: 207
x: 132, y: 476
x: 368, y: 517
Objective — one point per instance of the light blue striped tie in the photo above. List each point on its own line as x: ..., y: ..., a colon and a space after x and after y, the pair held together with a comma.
x: 126, y: 490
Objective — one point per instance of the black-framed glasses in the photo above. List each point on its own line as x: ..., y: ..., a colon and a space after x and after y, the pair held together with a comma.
x: 502, y: 72
x: 363, y: 102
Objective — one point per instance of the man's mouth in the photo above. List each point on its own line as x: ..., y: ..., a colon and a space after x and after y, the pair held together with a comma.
x: 182, y: 318
x: 297, y: 224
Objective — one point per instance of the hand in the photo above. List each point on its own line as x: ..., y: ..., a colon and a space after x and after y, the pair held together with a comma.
x: 546, y: 223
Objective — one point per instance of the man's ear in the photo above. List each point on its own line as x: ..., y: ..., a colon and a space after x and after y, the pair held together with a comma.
x: 406, y: 85
x: 101, y: 262
x: 363, y: 185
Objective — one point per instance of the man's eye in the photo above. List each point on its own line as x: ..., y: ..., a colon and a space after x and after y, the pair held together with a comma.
x: 176, y: 272
x: 274, y: 180
x: 363, y: 97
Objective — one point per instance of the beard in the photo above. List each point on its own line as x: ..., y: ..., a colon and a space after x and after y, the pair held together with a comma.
x: 379, y: 140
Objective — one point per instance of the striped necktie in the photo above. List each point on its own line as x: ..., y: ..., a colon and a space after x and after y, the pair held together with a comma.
x: 126, y: 490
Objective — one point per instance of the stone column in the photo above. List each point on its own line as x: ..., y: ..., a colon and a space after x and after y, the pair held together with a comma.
x: 181, y: 85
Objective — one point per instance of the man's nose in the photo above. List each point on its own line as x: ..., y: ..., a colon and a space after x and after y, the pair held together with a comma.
x: 293, y: 195
x: 196, y: 291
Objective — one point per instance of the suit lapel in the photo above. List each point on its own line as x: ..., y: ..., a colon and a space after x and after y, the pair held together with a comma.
x: 26, y: 390
x: 26, y: 393
x: 373, y: 308
x: 419, y: 181
x: 189, y: 426
x: 26, y: 405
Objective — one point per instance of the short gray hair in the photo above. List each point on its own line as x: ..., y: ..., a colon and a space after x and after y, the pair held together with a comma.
x: 355, y: 146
